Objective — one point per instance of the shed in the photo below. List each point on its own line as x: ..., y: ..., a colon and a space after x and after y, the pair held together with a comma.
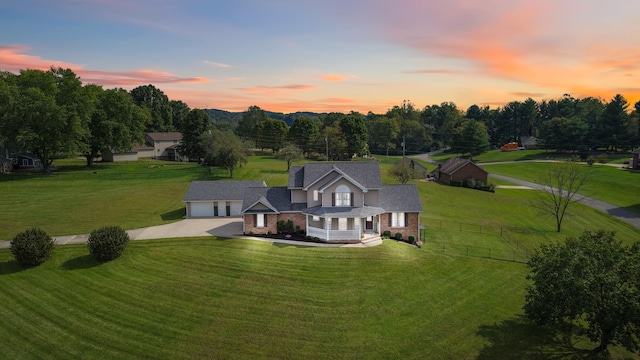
x: 457, y: 169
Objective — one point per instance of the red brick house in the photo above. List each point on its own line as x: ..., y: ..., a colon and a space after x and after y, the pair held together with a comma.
x: 333, y: 201
x: 457, y: 169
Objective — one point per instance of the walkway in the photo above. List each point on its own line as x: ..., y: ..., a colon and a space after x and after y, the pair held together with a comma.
x: 224, y: 227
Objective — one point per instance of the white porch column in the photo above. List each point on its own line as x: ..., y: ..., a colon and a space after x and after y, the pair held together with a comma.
x: 327, y: 226
x: 306, y: 220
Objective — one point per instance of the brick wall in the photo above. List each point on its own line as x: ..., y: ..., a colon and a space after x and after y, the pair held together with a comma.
x: 297, y: 218
x: 270, y: 221
x: 411, y: 228
x: 470, y: 170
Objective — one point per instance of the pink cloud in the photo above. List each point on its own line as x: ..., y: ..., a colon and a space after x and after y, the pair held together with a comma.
x: 13, y: 59
x: 276, y: 90
x: 333, y: 77
x: 431, y: 72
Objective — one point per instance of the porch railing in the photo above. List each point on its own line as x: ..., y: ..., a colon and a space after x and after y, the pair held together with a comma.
x: 333, y: 234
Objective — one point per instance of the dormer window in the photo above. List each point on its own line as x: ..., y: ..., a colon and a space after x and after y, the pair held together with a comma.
x: 343, y: 196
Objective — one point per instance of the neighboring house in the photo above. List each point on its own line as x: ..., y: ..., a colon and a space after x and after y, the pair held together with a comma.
x: 457, y: 169
x: 333, y: 201
x: 137, y: 152
x: 420, y: 171
x: 529, y: 142
x: 28, y: 161
x: 165, y: 145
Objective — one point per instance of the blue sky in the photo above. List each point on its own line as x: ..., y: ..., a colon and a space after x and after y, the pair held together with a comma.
x: 361, y: 55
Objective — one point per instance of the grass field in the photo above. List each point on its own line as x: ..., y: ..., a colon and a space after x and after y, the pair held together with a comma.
x: 241, y: 299
x: 230, y: 298
x: 614, y: 185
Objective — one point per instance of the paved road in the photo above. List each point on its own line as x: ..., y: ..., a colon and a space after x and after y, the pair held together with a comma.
x: 623, y: 214
x: 226, y: 227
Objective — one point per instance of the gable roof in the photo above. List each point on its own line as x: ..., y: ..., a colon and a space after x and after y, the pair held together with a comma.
x: 400, y: 197
x: 408, y: 161
x: 454, y: 164
x: 276, y: 198
x: 220, y: 190
x: 364, y: 174
x: 165, y: 136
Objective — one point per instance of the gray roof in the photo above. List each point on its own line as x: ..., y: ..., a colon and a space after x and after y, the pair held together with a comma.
x: 273, y: 197
x: 399, y: 197
x: 220, y: 190
x: 454, y: 164
x: 366, y: 174
x: 345, y: 211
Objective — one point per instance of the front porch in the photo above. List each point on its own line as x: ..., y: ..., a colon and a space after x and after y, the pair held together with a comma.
x: 343, y: 228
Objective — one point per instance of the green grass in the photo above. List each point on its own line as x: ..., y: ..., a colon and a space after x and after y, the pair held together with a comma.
x: 617, y: 186
x: 208, y: 298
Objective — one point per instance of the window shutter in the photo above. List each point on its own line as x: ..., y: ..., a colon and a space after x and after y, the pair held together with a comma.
x: 390, y: 219
x: 333, y: 199
x: 352, y: 201
x: 255, y: 220
x: 406, y: 219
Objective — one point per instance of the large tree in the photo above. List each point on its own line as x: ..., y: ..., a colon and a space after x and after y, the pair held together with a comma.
x: 157, y: 107
x: 179, y: 111
x: 290, y: 153
x: 560, y: 185
x: 383, y: 134
x: 471, y: 138
x: 304, y: 132
x: 46, y: 112
x: 224, y: 149
x: 193, y: 126
x: 274, y: 134
x: 115, y: 125
x: 355, y: 133
x: 593, y: 280
x: 247, y: 124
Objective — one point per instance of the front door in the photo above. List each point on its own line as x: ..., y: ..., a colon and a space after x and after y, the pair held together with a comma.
x: 369, y: 223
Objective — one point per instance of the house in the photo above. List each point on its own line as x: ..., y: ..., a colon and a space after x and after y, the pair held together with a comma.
x: 420, y: 171
x: 28, y: 161
x: 529, y: 142
x: 457, y: 169
x: 635, y: 161
x: 333, y: 201
x: 136, y: 152
x: 165, y: 145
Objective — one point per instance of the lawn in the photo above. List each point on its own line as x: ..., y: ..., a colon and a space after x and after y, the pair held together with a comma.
x: 206, y: 298
x: 611, y: 184
x: 224, y: 298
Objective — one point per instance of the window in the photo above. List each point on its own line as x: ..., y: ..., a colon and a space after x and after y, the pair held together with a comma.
x: 315, y: 195
x: 343, y: 196
x: 215, y: 209
x: 259, y: 220
x: 398, y: 220
x: 316, y: 218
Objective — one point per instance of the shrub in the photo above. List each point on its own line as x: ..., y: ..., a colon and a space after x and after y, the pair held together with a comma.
x: 298, y: 230
x: 280, y: 226
x: 386, y: 234
x: 398, y: 236
x: 456, y: 183
x: 288, y: 228
x: 590, y: 160
x: 107, y: 243
x: 32, y: 247
x: 412, y: 239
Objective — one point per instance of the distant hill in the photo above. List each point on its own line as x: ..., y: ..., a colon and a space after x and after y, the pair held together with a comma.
x: 233, y: 117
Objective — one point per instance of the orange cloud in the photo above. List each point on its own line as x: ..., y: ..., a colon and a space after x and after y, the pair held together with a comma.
x: 333, y: 77
x: 275, y: 90
x: 13, y: 59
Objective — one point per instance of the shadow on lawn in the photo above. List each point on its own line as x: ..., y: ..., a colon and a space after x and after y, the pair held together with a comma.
x: 177, y: 214
x: 11, y: 267
x: 80, y: 262
x: 519, y: 338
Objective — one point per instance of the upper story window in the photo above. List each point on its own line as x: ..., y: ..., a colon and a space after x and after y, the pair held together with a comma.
x: 343, y: 196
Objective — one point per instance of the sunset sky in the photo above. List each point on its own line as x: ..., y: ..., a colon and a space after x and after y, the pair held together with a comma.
x: 334, y: 55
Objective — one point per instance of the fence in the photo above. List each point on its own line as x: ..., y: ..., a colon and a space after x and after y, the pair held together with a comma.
x: 507, y: 248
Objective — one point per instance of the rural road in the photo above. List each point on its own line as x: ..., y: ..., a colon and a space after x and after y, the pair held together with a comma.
x: 623, y: 214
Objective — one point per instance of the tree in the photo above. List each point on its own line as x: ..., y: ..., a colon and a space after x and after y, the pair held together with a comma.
x: 560, y: 185
x: 224, y: 149
x: 333, y: 140
x: 290, y: 153
x: 116, y: 123
x: 274, y: 133
x: 403, y: 171
x: 107, y: 243
x: 157, y: 108
x: 471, y: 138
x: 46, y: 113
x: 194, y: 125
x: 590, y: 280
x: 247, y: 124
x: 32, y: 247
x: 355, y: 133
x: 612, y: 128
x: 384, y: 133
x: 303, y: 132
x: 179, y: 111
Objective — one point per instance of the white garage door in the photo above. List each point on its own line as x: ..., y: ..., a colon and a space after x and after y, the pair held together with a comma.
x: 201, y: 209
x: 236, y: 207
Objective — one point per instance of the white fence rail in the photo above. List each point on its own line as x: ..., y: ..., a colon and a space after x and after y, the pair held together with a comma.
x: 333, y: 234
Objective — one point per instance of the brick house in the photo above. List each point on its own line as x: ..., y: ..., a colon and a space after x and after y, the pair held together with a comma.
x: 457, y: 169
x: 333, y: 201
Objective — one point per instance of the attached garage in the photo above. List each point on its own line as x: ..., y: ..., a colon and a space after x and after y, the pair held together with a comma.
x: 217, y: 198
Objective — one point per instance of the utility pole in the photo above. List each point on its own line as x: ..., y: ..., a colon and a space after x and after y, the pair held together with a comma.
x: 403, y: 147
x: 326, y: 141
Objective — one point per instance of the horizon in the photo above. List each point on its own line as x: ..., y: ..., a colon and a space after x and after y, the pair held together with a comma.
x: 332, y: 56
